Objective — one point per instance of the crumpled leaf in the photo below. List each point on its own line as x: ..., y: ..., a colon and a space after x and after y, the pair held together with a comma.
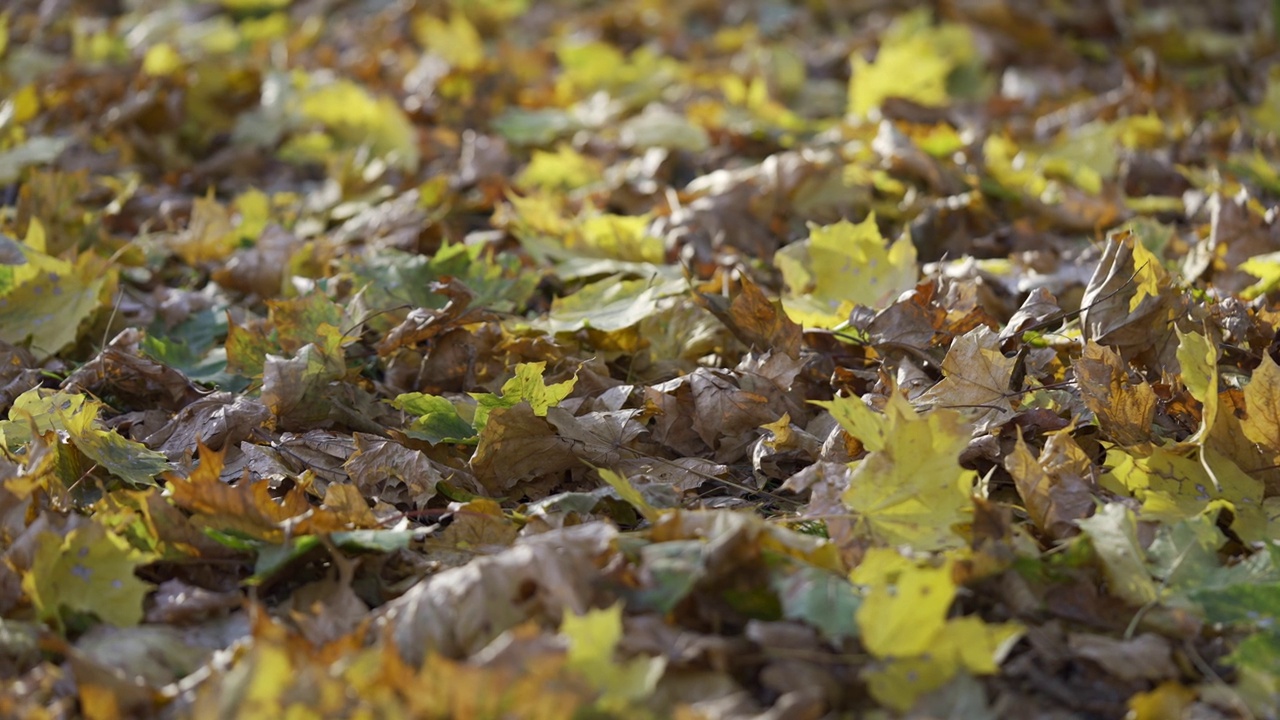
x: 754, y: 319
x: 1128, y: 304
x: 1053, y: 487
x: 457, y: 612
x: 1125, y: 409
x: 247, y: 509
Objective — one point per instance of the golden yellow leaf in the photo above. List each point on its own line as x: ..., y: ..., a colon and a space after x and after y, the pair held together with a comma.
x: 902, y: 617
x: 455, y: 40
x: 914, y: 490
x: 842, y: 265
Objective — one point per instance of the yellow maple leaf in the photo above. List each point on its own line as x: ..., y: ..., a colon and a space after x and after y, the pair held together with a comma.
x: 842, y: 265
x: 860, y: 421
x: 914, y: 491
x: 963, y: 644
x: 901, y: 618
x: 1175, y: 487
x: 593, y: 637
x: 903, y: 622
x: 90, y: 571
x: 455, y: 40
x: 1262, y: 400
x: 354, y: 116
x: 915, y: 61
x: 564, y: 169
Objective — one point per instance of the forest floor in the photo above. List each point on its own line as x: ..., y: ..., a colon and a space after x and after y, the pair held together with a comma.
x: 640, y: 358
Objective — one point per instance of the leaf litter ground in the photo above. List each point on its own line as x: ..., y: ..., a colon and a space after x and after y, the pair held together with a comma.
x: 645, y: 358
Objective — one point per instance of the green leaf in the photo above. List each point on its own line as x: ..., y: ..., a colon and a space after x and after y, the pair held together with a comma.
x: 611, y: 304
x: 437, y: 420
x: 819, y: 597
x: 1114, y: 535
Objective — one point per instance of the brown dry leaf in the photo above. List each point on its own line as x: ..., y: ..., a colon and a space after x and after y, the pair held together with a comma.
x: 1228, y: 438
x: 672, y: 408
x: 911, y: 323
x: 976, y: 377
x: 123, y: 372
x: 602, y: 438
x: 424, y: 323
x: 1129, y: 304
x: 248, y: 507
x: 755, y: 320
x: 516, y: 445
x: 1145, y: 657
x: 1053, y: 487
x: 459, y: 611
x: 723, y: 411
x: 388, y: 471
x: 297, y: 389
x: 220, y: 420
x: 262, y: 269
x: 347, y: 503
x: 1124, y: 409
x: 176, y: 602
x: 477, y: 528
x: 1039, y: 307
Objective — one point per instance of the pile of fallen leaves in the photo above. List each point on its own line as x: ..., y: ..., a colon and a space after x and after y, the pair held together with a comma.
x: 639, y: 358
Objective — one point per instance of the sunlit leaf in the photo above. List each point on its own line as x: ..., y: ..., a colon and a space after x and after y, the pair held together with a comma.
x: 455, y: 40
x: 915, y: 61
x: 914, y: 490
x: 842, y: 265
x: 903, y: 616
x: 357, y: 117
x: 592, y: 639
x: 564, y: 169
